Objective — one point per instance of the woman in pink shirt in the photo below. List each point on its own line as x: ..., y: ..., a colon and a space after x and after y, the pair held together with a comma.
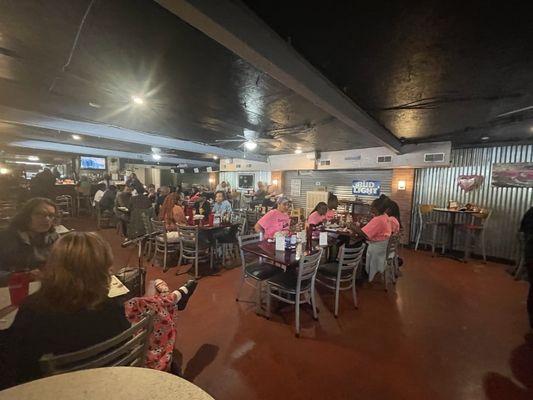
x: 276, y: 220
x: 393, y: 211
x: 377, y: 233
x: 318, y: 215
x: 333, y: 203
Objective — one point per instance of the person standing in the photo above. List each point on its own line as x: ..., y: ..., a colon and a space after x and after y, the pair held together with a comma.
x: 526, y: 227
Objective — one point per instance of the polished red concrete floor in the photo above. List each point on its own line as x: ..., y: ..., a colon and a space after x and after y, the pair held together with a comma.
x: 446, y: 331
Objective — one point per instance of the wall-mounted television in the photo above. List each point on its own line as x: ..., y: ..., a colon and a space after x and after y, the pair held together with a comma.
x: 88, y: 162
x: 246, y: 181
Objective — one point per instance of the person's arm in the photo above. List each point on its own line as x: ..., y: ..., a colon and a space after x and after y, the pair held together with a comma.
x: 258, y: 228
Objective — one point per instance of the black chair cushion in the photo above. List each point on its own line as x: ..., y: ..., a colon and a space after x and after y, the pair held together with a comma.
x: 332, y: 269
x: 261, y: 271
x: 287, y: 280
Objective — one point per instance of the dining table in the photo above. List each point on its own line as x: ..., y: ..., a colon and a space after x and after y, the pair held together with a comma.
x: 267, y: 250
x: 452, y: 214
x: 116, y: 383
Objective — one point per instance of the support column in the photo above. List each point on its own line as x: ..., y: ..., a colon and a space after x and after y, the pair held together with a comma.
x: 404, y: 198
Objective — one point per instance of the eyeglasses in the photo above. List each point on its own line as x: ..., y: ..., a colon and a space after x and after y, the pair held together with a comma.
x: 44, y: 214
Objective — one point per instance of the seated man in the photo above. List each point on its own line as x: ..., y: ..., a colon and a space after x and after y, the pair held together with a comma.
x: 221, y: 206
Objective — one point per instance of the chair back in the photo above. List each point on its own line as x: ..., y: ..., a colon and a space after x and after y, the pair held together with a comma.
x: 424, y: 212
x: 157, y: 226
x: 392, y: 246
x: 482, y: 217
x: 188, y: 237
x: 126, y: 349
x: 307, y: 268
x: 147, y: 224
x: 244, y: 240
x: 251, y: 219
x: 350, y: 259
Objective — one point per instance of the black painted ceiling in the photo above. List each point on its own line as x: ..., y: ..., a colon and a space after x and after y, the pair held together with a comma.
x: 425, y: 70
x: 195, y: 89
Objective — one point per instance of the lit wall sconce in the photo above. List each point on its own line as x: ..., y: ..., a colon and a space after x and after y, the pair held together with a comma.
x: 275, y: 182
x: 401, y: 185
x: 211, y: 180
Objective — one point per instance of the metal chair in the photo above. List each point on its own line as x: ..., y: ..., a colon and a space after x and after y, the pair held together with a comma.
x: 126, y: 349
x: 163, y: 244
x: 64, y: 206
x: 342, y: 275
x: 192, y: 249
x: 391, y: 261
x: 251, y: 219
x: 254, y: 269
x: 475, y: 231
x: 289, y: 287
x: 102, y: 219
x: 425, y: 222
x: 149, y: 229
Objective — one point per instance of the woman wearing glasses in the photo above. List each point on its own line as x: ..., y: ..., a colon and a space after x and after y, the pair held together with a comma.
x: 26, y: 243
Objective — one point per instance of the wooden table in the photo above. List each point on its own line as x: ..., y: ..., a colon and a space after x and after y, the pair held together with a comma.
x: 116, y: 383
x: 453, y: 214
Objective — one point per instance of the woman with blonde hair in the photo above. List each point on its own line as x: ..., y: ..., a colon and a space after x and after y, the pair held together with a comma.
x: 171, y: 212
x: 71, y: 311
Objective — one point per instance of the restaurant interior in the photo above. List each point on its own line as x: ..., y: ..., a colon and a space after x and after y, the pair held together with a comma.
x: 263, y: 199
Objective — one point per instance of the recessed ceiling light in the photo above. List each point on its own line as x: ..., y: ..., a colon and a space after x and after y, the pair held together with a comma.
x: 484, y: 138
x: 298, y: 151
x: 215, y: 157
x: 94, y: 105
x: 137, y: 99
x: 250, y: 145
x: 156, y: 156
x: 76, y: 137
x: 33, y: 158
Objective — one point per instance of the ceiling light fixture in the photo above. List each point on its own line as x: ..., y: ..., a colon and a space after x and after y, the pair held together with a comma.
x: 137, y: 100
x: 250, y: 145
x: 485, y: 138
x: 33, y: 158
x: 156, y: 157
x: 298, y: 151
x: 215, y: 157
x: 76, y: 137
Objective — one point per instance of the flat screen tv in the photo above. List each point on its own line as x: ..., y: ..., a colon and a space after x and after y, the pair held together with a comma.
x: 87, y: 162
x: 246, y: 181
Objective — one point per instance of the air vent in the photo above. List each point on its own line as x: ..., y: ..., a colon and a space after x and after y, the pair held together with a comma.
x: 353, y: 158
x: 384, y: 159
x: 325, y: 162
x: 434, y: 157
x: 248, y: 165
x: 237, y: 166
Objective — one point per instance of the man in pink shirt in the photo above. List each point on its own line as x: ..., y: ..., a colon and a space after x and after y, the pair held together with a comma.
x: 276, y: 220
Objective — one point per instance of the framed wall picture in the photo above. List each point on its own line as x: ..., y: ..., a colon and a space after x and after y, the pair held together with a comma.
x: 518, y: 175
x: 246, y: 181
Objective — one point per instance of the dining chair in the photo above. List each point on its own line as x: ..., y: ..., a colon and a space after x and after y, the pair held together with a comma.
x: 192, y: 249
x: 150, y: 242
x: 126, y: 349
x: 251, y: 219
x: 475, y: 233
x: 164, y: 243
x: 103, y: 220
x: 390, y: 272
x: 64, y: 206
x: 254, y: 269
x: 289, y: 287
x: 437, y: 228
x: 342, y: 275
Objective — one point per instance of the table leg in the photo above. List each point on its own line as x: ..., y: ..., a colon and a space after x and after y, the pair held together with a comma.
x: 451, y: 232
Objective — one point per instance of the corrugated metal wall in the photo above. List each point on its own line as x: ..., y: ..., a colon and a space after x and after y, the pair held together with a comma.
x: 339, y: 182
x: 438, y: 185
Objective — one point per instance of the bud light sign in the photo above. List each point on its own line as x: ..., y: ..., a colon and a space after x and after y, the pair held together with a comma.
x: 366, y: 188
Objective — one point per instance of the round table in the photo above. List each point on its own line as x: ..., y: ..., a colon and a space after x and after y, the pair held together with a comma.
x: 116, y: 383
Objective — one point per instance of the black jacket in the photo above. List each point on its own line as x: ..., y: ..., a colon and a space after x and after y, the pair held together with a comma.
x: 39, y: 330
x: 18, y: 252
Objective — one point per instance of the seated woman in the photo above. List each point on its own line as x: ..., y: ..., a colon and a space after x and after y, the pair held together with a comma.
x: 333, y: 204
x: 318, y: 215
x: 202, y: 206
x: 71, y: 311
x: 221, y: 206
x: 107, y: 202
x: 377, y: 233
x: 393, y: 211
x: 276, y: 220
x: 26, y: 243
x: 101, y: 188
x: 172, y: 213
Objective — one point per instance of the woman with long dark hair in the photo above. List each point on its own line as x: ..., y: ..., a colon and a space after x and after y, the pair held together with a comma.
x: 26, y: 243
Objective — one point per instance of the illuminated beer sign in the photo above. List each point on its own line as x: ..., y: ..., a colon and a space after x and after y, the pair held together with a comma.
x: 366, y: 188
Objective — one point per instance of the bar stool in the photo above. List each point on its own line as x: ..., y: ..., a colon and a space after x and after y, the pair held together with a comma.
x: 425, y: 222
x: 475, y: 233
x: 64, y: 205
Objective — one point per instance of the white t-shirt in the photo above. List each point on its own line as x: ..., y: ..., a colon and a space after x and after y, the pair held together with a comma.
x: 97, y: 197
